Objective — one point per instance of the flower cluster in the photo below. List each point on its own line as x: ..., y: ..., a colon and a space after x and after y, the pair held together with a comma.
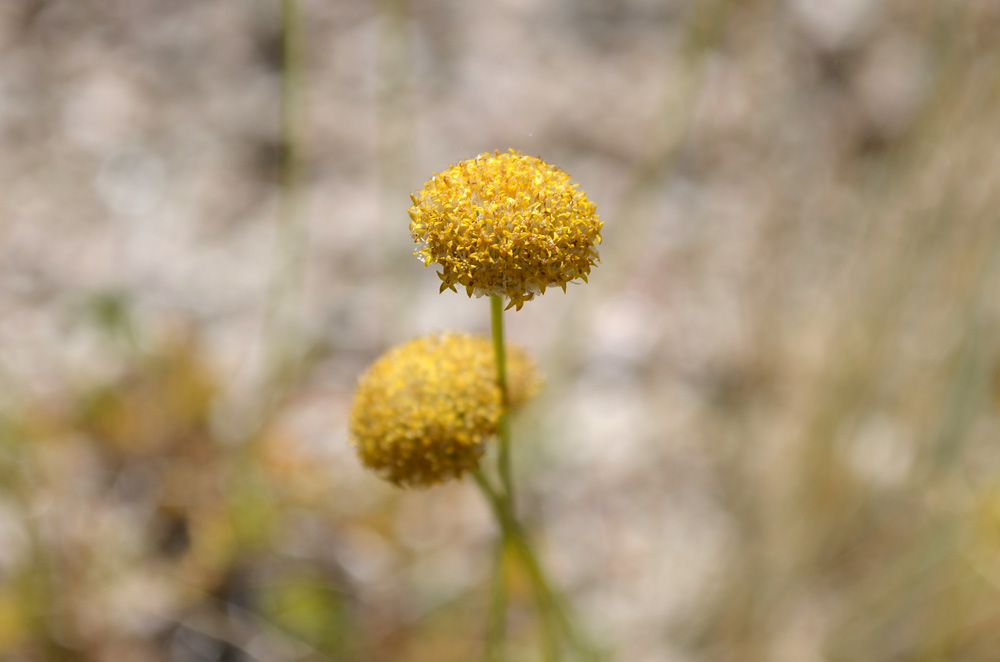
x: 423, y: 412
x: 505, y: 224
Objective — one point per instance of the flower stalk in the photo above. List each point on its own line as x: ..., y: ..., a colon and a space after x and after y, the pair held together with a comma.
x: 556, y: 622
x: 500, y: 354
x: 508, y: 226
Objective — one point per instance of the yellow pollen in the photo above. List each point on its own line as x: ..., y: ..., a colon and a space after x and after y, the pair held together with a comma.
x: 505, y: 224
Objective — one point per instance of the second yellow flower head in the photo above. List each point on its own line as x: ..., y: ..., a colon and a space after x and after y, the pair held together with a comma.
x: 424, y: 411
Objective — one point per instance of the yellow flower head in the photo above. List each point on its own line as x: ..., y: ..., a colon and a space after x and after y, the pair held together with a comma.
x: 424, y: 411
x: 505, y: 224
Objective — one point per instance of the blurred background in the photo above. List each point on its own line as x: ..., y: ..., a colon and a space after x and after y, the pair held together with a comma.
x: 770, y: 429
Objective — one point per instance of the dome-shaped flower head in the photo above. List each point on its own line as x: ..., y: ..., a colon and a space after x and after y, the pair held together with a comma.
x: 505, y: 224
x: 424, y: 411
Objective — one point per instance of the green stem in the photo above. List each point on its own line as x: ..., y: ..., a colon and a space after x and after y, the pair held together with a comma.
x: 552, y: 611
x: 509, y: 527
x: 551, y: 606
x: 500, y: 354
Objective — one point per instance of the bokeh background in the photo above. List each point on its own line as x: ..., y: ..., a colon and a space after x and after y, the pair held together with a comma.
x: 770, y: 430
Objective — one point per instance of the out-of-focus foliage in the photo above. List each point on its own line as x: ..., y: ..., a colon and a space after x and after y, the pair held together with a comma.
x: 131, y: 530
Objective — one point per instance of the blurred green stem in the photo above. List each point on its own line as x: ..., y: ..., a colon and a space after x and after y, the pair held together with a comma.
x: 395, y: 145
x: 279, y: 328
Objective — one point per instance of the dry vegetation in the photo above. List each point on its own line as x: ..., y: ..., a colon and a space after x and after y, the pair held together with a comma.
x: 770, y: 431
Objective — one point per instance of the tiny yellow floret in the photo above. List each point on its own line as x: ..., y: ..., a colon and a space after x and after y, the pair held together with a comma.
x: 425, y: 410
x: 505, y: 224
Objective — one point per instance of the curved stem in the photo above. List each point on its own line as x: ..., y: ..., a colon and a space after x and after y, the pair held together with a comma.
x: 551, y: 606
x: 510, y: 534
x: 551, y: 609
